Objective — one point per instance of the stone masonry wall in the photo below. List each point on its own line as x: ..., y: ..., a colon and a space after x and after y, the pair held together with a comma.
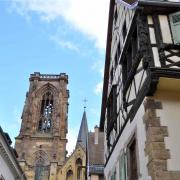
x: 155, y: 147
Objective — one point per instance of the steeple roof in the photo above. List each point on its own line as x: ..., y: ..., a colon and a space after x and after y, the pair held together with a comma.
x: 83, y: 132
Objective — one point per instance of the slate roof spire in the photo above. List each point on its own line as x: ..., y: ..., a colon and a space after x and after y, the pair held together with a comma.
x: 83, y: 131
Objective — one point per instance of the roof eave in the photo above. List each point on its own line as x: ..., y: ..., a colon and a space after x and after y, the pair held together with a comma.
x: 158, y: 3
x: 107, y: 63
x: 16, y: 165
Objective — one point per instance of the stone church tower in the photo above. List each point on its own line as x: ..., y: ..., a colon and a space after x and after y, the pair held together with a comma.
x: 41, y: 143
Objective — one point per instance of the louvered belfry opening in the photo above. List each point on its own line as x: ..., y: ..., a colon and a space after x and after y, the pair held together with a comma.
x: 45, y: 122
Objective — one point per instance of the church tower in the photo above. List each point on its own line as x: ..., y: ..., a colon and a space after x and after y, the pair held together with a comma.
x: 41, y: 143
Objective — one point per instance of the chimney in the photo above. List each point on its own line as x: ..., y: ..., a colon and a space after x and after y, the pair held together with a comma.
x: 96, y: 134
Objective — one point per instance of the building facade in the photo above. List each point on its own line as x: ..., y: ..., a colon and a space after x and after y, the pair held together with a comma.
x: 141, y: 92
x: 9, y: 166
x: 41, y: 143
x: 75, y: 166
x: 96, y: 155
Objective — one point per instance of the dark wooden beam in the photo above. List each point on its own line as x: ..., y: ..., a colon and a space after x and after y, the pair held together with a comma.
x: 107, y: 64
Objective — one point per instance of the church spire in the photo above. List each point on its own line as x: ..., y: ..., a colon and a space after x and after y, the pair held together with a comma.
x: 83, y: 131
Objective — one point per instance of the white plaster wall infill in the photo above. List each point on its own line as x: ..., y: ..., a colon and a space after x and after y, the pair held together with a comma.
x: 5, y: 170
x: 165, y: 29
x: 152, y: 36
x: 170, y: 117
x: 156, y: 57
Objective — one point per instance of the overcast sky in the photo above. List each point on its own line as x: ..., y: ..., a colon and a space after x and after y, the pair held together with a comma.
x: 52, y: 36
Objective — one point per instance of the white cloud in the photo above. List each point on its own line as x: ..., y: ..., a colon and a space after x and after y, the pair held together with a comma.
x: 98, y: 88
x: 87, y: 16
x: 99, y: 67
x: 64, y: 43
x: 72, y: 138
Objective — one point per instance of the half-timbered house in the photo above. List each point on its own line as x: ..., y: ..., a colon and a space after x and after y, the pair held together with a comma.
x: 140, y: 112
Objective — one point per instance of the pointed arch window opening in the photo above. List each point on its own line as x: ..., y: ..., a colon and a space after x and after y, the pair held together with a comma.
x: 41, y: 170
x: 79, y: 168
x: 69, y: 175
x: 45, y: 122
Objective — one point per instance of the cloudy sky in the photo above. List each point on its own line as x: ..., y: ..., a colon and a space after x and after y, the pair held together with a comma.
x: 52, y: 36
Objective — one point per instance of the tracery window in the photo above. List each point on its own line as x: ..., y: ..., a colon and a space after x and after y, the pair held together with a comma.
x: 79, y: 168
x: 41, y: 169
x: 45, y: 122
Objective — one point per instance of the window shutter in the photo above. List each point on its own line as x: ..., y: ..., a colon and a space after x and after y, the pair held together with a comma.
x: 122, y: 167
x: 175, y: 26
x: 112, y: 177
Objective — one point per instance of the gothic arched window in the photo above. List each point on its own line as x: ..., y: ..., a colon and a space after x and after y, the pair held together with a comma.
x: 41, y: 171
x: 69, y: 175
x: 45, y: 122
x: 79, y: 168
x: 42, y: 168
